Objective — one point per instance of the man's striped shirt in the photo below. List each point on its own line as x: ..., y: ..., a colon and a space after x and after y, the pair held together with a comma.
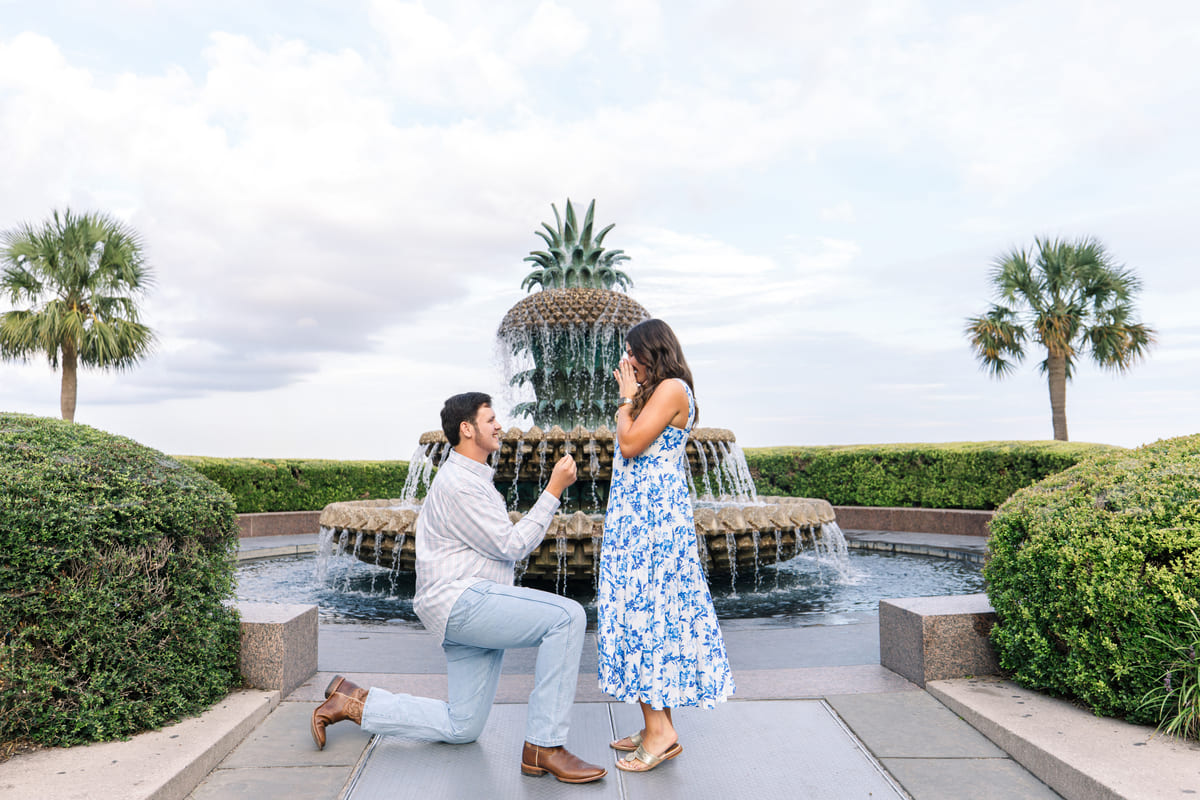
x: 464, y: 536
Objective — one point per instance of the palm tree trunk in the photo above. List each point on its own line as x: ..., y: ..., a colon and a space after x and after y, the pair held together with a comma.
x: 1057, y: 371
x: 70, y: 360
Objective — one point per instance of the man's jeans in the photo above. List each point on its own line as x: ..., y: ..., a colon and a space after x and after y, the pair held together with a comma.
x: 487, y: 619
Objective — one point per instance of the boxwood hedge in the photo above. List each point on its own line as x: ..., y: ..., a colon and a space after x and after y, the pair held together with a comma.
x: 300, y: 484
x: 1089, y: 565
x: 114, y: 564
x: 972, y: 475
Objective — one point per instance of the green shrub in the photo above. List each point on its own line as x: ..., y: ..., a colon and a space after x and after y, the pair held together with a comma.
x: 300, y: 484
x: 1093, y: 570
x: 976, y: 475
x: 114, y: 564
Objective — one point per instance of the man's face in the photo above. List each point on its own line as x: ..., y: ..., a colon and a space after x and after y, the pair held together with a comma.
x: 487, y: 429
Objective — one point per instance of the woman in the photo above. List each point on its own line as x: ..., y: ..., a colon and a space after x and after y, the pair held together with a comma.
x: 658, y: 637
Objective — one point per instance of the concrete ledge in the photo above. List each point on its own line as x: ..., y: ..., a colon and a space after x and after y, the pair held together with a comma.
x: 166, y: 764
x: 252, y: 553
x: 914, y: 520
x: 972, y: 549
x: 279, y: 523
x: 1078, y: 754
x: 935, y: 638
x: 279, y: 645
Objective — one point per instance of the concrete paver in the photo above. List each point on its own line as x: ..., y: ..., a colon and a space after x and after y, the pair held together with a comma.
x: 284, y: 740
x: 403, y: 769
x: 792, y: 749
x: 967, y: 779
x: 1085, y: 756
x: 911, y: 725
x: 276, y: 783
x: 279, y: 762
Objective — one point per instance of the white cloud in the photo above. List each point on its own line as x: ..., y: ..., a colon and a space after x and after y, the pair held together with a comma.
x: 639, y: 23
x: 841, y: 212
x: 438, y: 63
x: 551, y: 36
x: 351, y: 206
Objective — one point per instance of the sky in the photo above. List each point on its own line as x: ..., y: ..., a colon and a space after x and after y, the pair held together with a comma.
x: 336, y: 198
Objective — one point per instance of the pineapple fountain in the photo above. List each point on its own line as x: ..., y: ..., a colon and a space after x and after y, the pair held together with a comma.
x: 561, y: 345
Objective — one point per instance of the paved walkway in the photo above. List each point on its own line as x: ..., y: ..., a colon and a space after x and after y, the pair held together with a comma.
x: 815, y: 716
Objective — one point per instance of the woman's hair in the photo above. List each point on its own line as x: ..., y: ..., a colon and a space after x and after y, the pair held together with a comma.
x: 459, y: 409
x: 654, y: 345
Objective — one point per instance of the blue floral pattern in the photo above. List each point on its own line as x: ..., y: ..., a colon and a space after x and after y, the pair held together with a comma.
x: 658, y: 637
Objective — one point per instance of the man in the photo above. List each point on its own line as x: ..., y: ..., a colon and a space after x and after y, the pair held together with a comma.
x: 466, y: 549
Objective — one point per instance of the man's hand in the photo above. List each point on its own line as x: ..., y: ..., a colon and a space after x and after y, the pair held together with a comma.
x: 563, y: 476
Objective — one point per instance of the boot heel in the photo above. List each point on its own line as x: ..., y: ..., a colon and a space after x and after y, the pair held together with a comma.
x: 333, y: 684
x: 535, y: 772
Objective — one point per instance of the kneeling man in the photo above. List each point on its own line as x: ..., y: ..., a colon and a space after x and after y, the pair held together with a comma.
x: 466, y: 550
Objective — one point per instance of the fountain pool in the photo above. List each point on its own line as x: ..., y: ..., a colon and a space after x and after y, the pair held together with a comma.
x: 804, y: 590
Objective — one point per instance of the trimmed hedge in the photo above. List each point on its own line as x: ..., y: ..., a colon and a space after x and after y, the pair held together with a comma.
x: 1089, y: 565
x: 971, y: 475
x: 283, y: 484
x: 113, y: 569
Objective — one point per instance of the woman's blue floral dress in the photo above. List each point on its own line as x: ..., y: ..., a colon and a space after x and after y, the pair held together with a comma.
x: 657, y: 635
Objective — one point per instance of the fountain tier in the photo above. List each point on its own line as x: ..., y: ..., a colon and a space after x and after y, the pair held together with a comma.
x: 735, y: 529
x: 730, y: 537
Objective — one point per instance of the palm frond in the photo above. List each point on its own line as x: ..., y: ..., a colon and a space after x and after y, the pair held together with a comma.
x: 1015, y: 281
x: 997, y: 339
x: 1118, y: 345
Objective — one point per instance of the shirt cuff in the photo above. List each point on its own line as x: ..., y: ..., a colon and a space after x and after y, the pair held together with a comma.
x: 546, y: 504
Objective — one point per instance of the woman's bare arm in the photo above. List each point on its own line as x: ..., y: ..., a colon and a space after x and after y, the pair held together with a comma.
x: 668, y: 405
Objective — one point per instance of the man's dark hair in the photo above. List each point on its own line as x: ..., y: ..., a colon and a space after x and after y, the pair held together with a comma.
x: 459, y: 409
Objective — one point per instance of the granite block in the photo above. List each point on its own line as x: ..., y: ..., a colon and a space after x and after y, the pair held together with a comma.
x: 955, y: 521
x: 279, y: 523
x: 937, y: 638
x: 278, y: 645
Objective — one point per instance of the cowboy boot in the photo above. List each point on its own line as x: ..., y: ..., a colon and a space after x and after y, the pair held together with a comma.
x: 343, y: 700
x: 560, y: 763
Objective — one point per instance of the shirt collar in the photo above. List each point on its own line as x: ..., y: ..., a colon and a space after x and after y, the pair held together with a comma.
x: 471, y: 465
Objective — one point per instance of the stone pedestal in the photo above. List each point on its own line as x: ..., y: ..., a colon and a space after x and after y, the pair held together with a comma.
x: 279, y: 645
x: 937, y: 638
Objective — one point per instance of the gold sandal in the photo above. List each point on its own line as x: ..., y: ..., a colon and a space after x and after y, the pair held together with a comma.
x: 649, y: 759
x: 636, y: 738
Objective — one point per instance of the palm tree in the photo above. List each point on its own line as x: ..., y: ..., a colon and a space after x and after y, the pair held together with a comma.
x: 1070, y: 298
x: 79, y: 276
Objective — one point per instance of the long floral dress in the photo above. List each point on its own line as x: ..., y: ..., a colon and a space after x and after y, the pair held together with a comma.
x: 658, y: 638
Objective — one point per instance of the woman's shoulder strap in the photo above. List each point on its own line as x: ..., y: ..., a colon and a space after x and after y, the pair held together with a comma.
x: 687, y: 390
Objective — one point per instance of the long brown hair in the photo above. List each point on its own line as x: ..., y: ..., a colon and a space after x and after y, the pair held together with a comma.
x: 657, y: 349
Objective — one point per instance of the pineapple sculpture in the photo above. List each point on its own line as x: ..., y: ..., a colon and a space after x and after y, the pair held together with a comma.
x: 567, y: 339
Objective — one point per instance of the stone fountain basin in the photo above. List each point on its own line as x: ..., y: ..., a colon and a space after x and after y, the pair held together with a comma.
x: 731, y: 536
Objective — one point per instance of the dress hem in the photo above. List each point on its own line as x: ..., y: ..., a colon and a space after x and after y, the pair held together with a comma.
x: 706, y: 704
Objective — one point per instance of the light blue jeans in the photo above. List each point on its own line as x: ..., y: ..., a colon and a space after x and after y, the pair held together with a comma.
x: 486, y: 620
